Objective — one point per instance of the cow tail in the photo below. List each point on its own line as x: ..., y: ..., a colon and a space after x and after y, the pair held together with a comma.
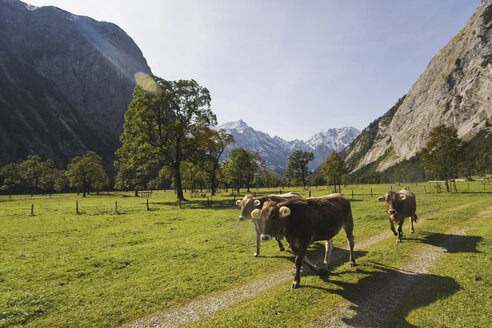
x: 348, y: 214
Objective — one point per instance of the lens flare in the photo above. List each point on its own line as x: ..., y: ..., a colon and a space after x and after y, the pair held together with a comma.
x: 146, y: 82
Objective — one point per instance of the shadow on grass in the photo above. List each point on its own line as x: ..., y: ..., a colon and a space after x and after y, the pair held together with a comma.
x: 385, y: 296
x: 453, y: 243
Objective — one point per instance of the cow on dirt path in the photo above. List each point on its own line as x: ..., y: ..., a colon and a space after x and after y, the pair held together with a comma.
x: 400, y: 205
x: 249, y: 203
x: 304, y: 221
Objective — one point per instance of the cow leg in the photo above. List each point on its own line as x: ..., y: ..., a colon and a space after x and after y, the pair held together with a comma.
x: 413, y: 219
x: 400, y: 231
x: 392, y: 226
x: 299, y: 259
x: 281, y: 247
x: 310, y: 264
x: 328, y: 251
x: 349, y: 231
x: 258, y: 234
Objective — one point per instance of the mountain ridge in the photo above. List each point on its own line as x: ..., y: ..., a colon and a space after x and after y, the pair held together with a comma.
x: 275, y: 151
x: 66, y: 82
x: 454, y: 90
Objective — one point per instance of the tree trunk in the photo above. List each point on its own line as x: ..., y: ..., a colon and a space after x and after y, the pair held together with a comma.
x: 177, y: 182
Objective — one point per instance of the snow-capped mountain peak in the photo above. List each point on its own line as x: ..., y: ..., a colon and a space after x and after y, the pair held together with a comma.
x: 276, y: 151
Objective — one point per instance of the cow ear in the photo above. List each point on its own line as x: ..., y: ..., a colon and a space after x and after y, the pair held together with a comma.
x: 238, y: 202
x: 256, y: 213
x: 402, y: 197
x: 257, y: 203
x: 284, y: 211
x: 381, y: 199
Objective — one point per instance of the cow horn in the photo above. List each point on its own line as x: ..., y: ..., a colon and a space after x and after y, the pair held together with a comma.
x: 238, y: 202
x: 381, y: 199
x: 284, y: 211
x: 256, y: 213
x: 402, y: 197
x: 257, y: 202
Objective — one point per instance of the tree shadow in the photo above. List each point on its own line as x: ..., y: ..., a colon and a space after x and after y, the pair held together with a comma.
x: 452, y: 243
x: 385, y: 296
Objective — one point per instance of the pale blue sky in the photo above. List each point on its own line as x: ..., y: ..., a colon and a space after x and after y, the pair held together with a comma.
x: 288, y: 68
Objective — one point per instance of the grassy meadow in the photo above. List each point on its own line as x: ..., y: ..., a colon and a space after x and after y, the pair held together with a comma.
x: 115, y: 261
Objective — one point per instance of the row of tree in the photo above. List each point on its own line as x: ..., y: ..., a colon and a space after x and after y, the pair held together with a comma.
x: 83, y: 173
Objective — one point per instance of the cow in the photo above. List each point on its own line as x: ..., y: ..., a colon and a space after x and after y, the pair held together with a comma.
x: 400, y: 205
x: 249, y: 203
x: 304, y: 221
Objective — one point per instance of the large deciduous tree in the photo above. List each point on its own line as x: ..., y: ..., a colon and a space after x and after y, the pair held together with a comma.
x: 161, y: 125
x: 85, y: 173
x: 297, y: 166
x: 333, y: 169
x: 441, y: 155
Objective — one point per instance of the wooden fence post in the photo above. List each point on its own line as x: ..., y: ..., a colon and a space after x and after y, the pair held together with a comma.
x: 148, y: 208
x: 371, y: 193
x: 32, y: 209
x: 309, y: 193
x: 352, y: 194
x: 116, y: 206
x: 77, y: 206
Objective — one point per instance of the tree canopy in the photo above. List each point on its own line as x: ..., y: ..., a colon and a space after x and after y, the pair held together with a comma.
x: 297, y: 166
x: 333, y: 169
x: 85, y: 173
x: 161, y: 125
x: 241, y: 167
x: 441, y: 156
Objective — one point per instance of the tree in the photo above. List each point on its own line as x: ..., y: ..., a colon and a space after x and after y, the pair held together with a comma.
x: 31, y: 172
x: 161, y: 124
x: 212, y: 143
x: 441, y: 155
x: 85, y: 173
x: 241, y: 167
x: 297, y: 167
x: 333, y: 169
x: 11, y: 176
x: 52, y: 179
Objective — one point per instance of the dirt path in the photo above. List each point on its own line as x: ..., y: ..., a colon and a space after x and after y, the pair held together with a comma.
x: 208, y: 305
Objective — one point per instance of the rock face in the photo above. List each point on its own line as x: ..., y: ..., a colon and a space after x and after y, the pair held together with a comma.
x: 65, y: 83
x: 276, y: 151
x: 455, y: 89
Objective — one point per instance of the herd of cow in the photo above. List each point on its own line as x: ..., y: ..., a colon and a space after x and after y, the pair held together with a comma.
x: 303, y: 221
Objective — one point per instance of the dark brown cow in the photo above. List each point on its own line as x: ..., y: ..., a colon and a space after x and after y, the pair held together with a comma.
x: 249, y: 203
x: 304, y: 221
x: 400, y: 205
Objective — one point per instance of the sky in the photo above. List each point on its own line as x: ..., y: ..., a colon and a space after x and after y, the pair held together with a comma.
x: 288, y: 67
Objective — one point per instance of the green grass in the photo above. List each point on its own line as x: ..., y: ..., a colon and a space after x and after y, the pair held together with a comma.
x: 101, y: 268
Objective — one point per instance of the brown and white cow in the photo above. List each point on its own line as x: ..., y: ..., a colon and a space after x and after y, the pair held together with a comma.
x: 400, y: 205
x: 304, y: 221
x: 249, y: 203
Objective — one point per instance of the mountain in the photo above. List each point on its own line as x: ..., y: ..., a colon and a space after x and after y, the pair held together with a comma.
x: 455, y: 89
x: 276, y: 151
x: 65, y: 83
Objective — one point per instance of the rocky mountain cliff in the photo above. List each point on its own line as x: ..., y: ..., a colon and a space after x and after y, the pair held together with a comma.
x: 455, y: 89
x: 276, y: 151
x: 65, y: 82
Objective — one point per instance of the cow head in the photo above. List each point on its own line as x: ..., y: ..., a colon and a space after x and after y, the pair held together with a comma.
x: 272, y: 218
x: 392, y: 198
x: 247, y: 204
